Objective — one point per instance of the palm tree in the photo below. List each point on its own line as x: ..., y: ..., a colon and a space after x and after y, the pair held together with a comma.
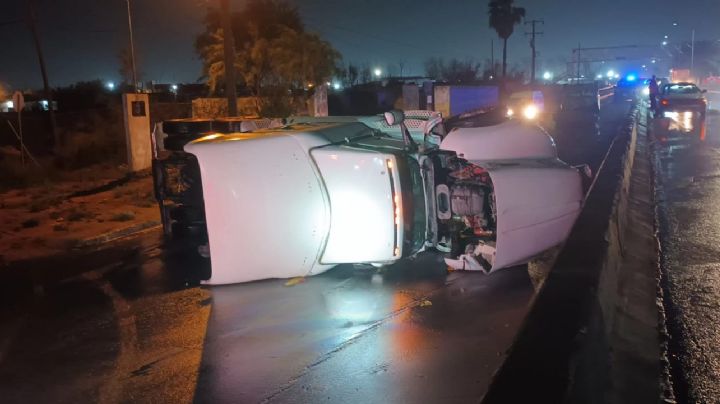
x: 503, y: 18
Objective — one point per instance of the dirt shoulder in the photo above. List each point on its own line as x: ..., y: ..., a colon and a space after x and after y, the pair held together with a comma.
x: 48, y: 220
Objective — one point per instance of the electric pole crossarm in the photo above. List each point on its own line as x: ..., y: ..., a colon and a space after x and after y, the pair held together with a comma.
x: 532, y: 34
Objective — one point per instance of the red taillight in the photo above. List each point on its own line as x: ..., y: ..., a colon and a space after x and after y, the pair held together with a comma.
x: 664, y: 102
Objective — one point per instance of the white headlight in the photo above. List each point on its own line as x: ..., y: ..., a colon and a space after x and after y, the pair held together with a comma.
x: 510, y: 112
x: 646, y: 91
x: 530, y: 111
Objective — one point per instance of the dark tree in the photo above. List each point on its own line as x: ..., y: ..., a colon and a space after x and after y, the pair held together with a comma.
x: 352, y: 74
x: 504, y: 16
x: 275, y: 56
x: 365, y: 75
x: 454, y: 71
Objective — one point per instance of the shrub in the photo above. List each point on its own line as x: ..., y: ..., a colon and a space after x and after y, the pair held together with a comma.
x: 123, y: 217
x: 78, y: 214
x: 100, y: 139
x: 30, y: 223
x: 14, y: 175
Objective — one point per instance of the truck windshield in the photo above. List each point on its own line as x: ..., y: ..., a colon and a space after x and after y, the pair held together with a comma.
x: 413, y: 192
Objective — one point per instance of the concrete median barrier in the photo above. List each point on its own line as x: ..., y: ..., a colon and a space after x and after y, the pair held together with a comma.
x: 593, y: 334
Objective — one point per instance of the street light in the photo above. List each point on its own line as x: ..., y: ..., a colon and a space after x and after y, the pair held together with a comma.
x: 692, y: 48
x: 547, y: 76
x: 664, y: 43
x: 377, y: 72
x: 110, y: 85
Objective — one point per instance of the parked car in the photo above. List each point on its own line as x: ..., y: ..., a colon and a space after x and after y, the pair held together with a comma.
x: 300, y: 199
x: 684, y: 107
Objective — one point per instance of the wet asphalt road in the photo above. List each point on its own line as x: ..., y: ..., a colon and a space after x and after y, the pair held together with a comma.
x: 140, y: 329
x: 688, y: 179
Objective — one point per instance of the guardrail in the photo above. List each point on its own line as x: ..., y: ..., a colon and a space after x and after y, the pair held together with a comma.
x: 562, y: 352
x: 606, y: 92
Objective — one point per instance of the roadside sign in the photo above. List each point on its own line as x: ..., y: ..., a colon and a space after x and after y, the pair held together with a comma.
x: 18, y: 101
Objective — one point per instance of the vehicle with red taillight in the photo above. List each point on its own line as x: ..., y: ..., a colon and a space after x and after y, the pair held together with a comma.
x: 684, y: 105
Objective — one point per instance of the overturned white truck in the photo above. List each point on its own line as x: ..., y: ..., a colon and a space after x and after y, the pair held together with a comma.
x: 300, y: 199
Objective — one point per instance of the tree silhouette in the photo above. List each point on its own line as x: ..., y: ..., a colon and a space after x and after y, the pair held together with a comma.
x: 274, y: 54
x: 503, y: 18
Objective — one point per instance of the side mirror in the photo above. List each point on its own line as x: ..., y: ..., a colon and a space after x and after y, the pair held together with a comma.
x: 394, y: 117
x: 397, y: 117
x: 434, y: 120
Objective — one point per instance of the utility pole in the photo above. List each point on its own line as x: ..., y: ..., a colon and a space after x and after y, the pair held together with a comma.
x: 692, y: 53
x: 132, y: 47
x: 32, y: 17
x: 492, y: 58
x: 532, y: 34
x: 578, y: 62
x: 229, y: 47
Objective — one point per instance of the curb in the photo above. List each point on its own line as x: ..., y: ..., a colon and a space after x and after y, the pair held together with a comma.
x: 23, y: 278
x: 129, y: 177
x: 119, y: 234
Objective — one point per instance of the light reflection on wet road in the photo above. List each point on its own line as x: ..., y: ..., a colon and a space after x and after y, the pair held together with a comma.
x: 139, y: 330
x: 688, y: 195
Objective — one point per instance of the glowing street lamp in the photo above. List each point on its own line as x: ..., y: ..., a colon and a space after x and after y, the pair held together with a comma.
x: 547, y: 76
x: 174, y: 87
x: 377, y: 72
x: 110, y: 85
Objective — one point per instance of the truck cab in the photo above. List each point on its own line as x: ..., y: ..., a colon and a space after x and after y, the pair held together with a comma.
x: 301, y: 199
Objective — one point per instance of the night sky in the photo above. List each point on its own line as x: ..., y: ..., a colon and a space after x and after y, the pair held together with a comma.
x: 83, y: 37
